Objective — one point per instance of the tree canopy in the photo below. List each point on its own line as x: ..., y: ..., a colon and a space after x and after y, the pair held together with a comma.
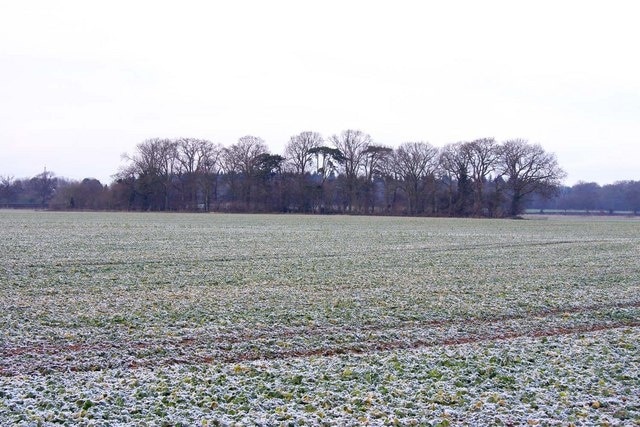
x: 347, y: 173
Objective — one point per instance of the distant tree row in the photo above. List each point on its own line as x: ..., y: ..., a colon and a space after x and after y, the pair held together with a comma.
x: 590, y: 197
x: 33, y: 192
x: 346, y: 173
x: 45, y: 190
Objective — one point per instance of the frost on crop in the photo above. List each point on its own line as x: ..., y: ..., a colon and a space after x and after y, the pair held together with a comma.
x: 134, y: 318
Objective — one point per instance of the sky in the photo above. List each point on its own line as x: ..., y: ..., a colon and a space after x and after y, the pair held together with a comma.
x: 84, y: 82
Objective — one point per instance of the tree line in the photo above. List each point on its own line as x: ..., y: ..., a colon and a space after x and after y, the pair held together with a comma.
x: 592, y: 198
x: 345, y: 173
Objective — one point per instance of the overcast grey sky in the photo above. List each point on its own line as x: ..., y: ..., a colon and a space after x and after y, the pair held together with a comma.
x: 82, y: 82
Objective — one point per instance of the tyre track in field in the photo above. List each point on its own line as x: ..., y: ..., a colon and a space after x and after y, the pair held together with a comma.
x: 329, y: 341
x: 414, y: 324
x: 284, y: 256
x: 417, y: 345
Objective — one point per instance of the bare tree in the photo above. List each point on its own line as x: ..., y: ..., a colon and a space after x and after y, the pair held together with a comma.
x: 154, y: 165
x: 483, y: 157
x: 242, y: 157
x: 208, y: 172
x: 455, y: 162
x: 44, y: 185
x: 299, y: 151
x: 414, y: 162
x: 241, y: 161
x: 353, y: 145
x: 528, y: 169
x: 190, y: 154
x: 392, y: 180
x: 374, y: 157
x: 300, y: 154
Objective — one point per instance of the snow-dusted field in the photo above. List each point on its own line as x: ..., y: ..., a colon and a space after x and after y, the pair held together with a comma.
x: 145, y: 319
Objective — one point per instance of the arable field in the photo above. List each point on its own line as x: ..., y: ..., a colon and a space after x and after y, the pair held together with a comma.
x: 176, y: 319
